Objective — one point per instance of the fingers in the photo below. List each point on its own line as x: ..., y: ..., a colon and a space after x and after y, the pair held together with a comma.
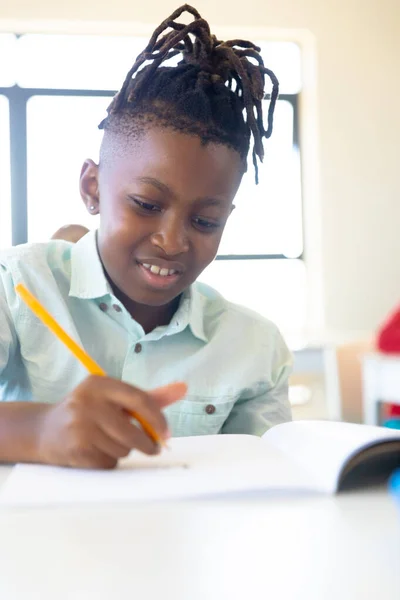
x: 108, y: 445
x: 116, y: 426
x: 99, y: 420
x: 168, y: 394
x: 125, y: 396
x: 90, y: 457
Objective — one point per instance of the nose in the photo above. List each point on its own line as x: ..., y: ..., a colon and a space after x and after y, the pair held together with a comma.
x: 171, y: 236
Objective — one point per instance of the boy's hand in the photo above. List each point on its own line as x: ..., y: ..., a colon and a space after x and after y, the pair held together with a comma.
x: 92, y: 428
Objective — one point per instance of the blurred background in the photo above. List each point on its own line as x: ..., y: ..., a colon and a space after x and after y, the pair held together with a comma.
x: 323, y: 259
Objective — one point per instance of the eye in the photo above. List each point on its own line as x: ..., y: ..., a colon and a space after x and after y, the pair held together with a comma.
x: 205, y: 225
x: 146, y: 206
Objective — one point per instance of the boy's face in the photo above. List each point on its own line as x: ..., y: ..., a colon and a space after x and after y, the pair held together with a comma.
x: 163, y: 205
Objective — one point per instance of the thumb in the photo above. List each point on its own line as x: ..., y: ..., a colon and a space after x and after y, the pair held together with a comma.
x: 168, y: 394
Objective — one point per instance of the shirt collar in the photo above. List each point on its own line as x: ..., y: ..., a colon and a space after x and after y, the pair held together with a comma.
x: 87, y: 276
x: 190, y: 314
x: 88, y: 282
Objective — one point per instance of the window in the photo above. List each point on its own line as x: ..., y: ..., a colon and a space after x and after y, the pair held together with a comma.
x: 52, y: 103
x: 5, y: 187
x: 273, y: 288
x: 61, y: 134
x: 259, y: 223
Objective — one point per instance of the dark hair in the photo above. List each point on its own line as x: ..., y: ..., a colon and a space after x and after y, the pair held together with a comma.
x: 205, y: 94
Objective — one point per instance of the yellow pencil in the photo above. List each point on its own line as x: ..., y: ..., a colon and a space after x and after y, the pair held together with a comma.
x: 76, y: 350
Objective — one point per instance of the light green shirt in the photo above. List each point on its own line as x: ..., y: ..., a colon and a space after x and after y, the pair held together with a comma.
x: 234, y: 361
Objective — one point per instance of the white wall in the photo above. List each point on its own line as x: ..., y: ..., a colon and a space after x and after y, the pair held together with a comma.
x: 358, y: 91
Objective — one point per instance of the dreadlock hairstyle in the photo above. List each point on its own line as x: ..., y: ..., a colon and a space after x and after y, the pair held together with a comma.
x: 214, y: 92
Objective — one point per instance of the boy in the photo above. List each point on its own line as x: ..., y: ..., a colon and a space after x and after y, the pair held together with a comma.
x: 172, y: 158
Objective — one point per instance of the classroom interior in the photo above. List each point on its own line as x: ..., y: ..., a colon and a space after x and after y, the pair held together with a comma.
x: 323, y: 261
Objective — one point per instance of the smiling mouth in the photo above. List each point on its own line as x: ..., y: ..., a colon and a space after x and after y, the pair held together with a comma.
x: 161, y: 272
x: 158, y: 278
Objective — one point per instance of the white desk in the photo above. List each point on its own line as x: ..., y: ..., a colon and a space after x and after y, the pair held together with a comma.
x: 381, y: 383
x: 315, y: 548
x: 321, y: 358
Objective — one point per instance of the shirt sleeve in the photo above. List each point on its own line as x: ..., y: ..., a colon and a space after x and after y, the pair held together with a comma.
x: 8, y: 335
x: 267, y: 404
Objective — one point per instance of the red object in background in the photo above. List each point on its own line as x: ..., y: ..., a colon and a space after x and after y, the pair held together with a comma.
x: 393, y: 410
x: 388, y: 338
x: 388, y: 342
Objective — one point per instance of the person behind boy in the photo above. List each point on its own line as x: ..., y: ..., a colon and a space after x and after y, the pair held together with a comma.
x: 70, y: 233
x: 172, y: 158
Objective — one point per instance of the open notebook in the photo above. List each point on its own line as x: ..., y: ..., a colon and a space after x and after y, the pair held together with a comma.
x: 297, y: 457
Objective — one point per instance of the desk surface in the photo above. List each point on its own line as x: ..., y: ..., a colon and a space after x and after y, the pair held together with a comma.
x: 312, y: 548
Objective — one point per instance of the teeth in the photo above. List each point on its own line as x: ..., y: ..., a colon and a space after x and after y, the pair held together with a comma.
x: 158, y: 271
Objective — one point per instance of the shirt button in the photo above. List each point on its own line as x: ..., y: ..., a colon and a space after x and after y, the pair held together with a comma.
x: 138, y: 348
x: 103, y: 306
x: 117, y: 307
x: 210, y: 409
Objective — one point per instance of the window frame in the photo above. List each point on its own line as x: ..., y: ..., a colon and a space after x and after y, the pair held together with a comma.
x: 18, y: 99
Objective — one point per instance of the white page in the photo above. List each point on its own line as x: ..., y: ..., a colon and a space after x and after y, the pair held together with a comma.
x: 192, y: 468
x: 323, y: 447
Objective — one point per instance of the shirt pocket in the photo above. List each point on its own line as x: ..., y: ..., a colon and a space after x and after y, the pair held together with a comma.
x: 198, y: 415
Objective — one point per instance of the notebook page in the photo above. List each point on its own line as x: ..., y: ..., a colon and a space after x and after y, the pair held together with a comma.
x: 322, y: 447
x: 193, y: 467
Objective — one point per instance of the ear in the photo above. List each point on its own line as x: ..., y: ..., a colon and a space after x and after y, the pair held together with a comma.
x: 89, y: 186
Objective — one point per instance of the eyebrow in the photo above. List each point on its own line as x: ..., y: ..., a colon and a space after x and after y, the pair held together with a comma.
x: 209, y: 202
x: 156, y: 183
x: 162, y: 187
